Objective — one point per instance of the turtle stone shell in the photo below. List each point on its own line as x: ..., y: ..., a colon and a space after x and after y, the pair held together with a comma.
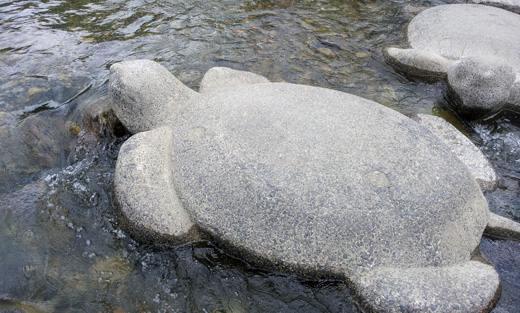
x: 321, y: 179
x: 457, y: 30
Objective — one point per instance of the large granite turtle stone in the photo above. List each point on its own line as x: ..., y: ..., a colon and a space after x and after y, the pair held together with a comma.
x: 303, y: 179
x: 476, y: 47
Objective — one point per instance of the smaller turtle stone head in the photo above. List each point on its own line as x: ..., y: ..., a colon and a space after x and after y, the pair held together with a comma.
x: 481, y: 86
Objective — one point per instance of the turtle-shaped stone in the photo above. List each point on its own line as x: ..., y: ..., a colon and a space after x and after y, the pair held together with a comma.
x: 475, y: 47
x: 303, y: 179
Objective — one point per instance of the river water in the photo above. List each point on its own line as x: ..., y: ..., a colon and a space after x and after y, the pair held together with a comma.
x: 61, y: 248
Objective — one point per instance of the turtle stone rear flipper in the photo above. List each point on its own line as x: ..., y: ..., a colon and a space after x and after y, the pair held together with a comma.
x: 145, y: 194
x: 418, y: 63
x: 465, y: 287
x: 145, y: 95
x: 222, y: 77
x: 501, y: 227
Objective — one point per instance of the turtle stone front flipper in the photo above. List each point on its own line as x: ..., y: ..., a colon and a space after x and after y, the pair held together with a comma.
x: 503, y: 228
x: 145, y: 95
x: 222, y: 77
x: 464, y: 149
x: 144, y: 190
x: 418, y: 63
x: 465, y: 287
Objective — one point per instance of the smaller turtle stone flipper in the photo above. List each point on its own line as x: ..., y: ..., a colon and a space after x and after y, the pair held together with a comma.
x: 144, y: 190
x: 142, y: 91
x: 431, y: 289
x: 502, y: 228
x: 218, y: 78
x: 418, y: 63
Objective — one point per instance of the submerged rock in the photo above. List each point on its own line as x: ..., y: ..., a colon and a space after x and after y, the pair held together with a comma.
x: 303, y: 179
x: 474, y: 47
x: 21, y: 266
x: 52, y: 138
x: 30, y: 145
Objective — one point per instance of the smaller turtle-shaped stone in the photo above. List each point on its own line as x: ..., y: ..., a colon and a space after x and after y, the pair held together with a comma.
x: 475, y: 47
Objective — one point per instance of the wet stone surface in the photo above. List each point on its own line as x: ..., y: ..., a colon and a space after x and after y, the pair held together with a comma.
x: 77, y: 257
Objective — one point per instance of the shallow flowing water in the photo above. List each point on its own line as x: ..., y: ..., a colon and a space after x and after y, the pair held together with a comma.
x: 61, y: 248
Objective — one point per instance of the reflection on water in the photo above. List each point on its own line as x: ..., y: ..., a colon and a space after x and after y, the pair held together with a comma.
x: 61, y: 249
